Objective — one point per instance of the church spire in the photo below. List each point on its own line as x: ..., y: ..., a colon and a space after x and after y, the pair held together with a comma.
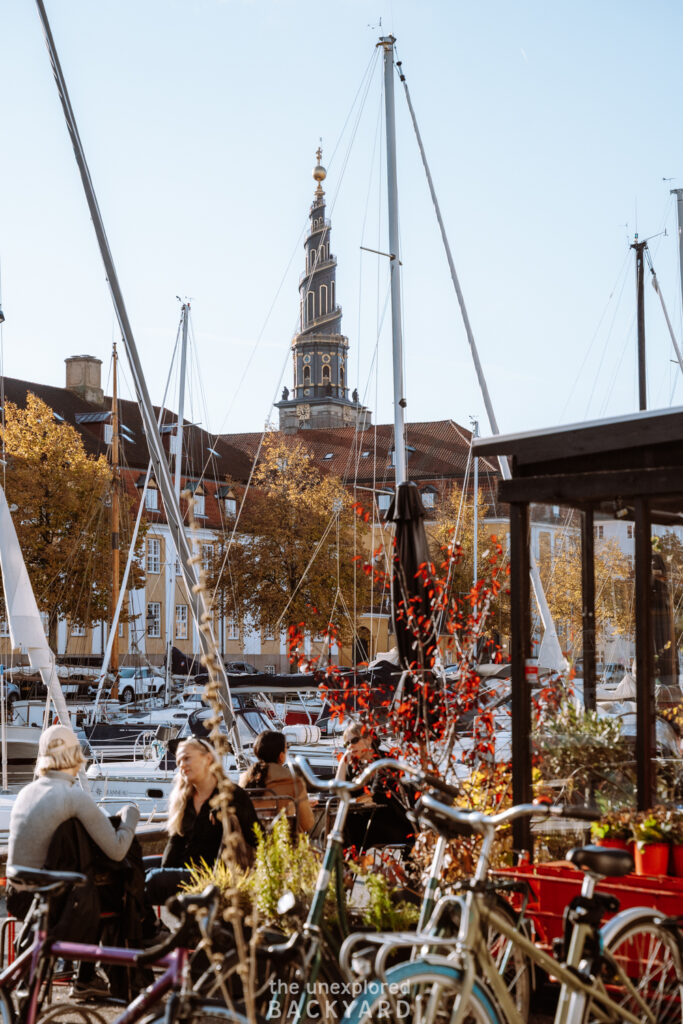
x: 320, y: 350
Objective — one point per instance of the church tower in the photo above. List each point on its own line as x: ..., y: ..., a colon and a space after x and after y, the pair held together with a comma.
x: 320, y: 394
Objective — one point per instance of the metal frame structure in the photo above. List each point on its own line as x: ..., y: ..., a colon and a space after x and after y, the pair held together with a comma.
x: 629, y: 467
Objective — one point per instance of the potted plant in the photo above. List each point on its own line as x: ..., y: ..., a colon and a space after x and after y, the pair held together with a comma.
x: 651, y: 832
x: 614, y: 829
x: 675, y: 833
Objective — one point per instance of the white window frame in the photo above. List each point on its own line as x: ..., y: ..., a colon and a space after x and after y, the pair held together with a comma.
x: 383, y: 502
x: 153, y: 561
x: 4, y: 627
x: 181, y: 622
x: 154, y: 627
x: 231, y: 507
x: 233, y: 627
x: 121, y: 631
x: 207, y: 556
x: 78, y: 630
x: 428, y: 498
x: 199, y: 506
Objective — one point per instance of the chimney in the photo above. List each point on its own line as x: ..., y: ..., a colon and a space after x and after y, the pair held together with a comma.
x: 84, y: 378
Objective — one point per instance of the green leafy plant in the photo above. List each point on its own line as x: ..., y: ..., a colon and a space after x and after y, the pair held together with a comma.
x: 651, y: 826
x: 614, y: 825
x: 674, y: 821
x: 384, y: 911
x: 587, y: 753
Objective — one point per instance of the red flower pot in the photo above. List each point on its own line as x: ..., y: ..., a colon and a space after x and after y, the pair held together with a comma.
x: 616, y: 844
x: 677, y: 855
x: 652, y: 859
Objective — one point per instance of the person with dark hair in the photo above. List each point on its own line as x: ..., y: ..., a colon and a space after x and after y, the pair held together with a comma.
x: 273, y: 776
x: 380, y: 815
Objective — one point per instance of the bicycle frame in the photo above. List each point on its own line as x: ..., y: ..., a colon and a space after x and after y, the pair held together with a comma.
x: 43, y: 949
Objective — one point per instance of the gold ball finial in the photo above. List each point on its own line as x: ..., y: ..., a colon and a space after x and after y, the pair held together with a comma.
x: 319, y: 172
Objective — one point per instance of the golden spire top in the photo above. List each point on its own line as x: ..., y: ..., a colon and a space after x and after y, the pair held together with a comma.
x: 319, y: 174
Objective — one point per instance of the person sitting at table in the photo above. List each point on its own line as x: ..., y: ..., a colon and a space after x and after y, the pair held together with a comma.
x: 271, y: 774
x: 55, y: 825
x: 380, y: 815
x: 194, y: 826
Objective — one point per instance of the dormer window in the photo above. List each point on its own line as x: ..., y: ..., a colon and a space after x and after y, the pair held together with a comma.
x: 231, y: 507
x: 152, y: 499
x: 199, y: 502
x: 428, y: 496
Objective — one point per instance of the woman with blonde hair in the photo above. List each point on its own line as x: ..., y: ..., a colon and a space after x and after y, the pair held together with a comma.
x: 196, y: 832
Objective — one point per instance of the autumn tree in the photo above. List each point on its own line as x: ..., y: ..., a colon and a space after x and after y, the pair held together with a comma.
x: 561, y: 576
x: 60, y: 497
x: 292, y: 559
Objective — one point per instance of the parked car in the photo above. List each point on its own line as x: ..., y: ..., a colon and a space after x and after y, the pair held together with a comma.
x: 138, y: 683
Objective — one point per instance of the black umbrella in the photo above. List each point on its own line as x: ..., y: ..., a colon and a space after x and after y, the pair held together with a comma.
x: 412, y: 591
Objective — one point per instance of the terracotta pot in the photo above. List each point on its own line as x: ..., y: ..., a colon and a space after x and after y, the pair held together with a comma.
x: 652, y: 859
x: 614, y: 844
x: 677, y: 857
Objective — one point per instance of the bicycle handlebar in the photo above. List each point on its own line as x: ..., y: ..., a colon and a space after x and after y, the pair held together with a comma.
x: 479, y: 822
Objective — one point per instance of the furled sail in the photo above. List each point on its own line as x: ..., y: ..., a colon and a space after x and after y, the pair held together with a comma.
x: 25, y: 625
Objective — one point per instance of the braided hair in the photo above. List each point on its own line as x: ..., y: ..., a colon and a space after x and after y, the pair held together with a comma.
x: 268, y: 746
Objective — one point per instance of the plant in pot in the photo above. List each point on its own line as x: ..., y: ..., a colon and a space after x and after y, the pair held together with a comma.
x: 651, y: 831
x: 614, y: 829
x: 675, y: 822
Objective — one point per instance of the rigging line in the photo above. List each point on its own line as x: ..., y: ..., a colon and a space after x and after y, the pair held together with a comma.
x: 305, y: 572
x: 625, y: 348
x: 589, y: 349
x: 597, y: 374
x: 655, y: 285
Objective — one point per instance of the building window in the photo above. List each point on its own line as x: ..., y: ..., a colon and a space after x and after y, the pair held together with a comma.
x: 181, y: 622
x: 120, y: 631
x: 199, y: 505
x: 231, y: 507
x: 383, y: 502
x: 207, y: 556
x: 4, y: 627
x: 78, y: 630
x: 233, y: 628
x: 428, y: 497
x: 153, y: 554
x: 268, y: 633
x: 269, y: 670
x: 629, y: 531
x: 178, y: 569
x: 600, y: 532
x: 326, y: 374
x: 307, y: 376
x: 45, y: 619
x: 310, y: 306
x: 154, y: 620
x: 332, y: 296
x: 341, y: 376
x: 152, y: 499
x: 323, y: 299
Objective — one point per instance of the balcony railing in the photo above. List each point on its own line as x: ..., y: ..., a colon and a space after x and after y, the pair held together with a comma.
x: 324, y: 265
x: 318, y: 320
x: 320, y: 226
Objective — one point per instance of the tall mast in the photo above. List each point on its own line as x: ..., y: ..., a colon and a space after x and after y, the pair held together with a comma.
x: 387, y: 43
x: 199, y: 605
x: 178, y: 466
x: 115, y: 516
x: 640, y: 248
x: 678, y: 192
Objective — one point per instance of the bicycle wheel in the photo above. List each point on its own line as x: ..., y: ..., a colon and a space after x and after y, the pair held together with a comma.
x: 650, y: 957
x: 203, y: 1013
x: 419, y: 993
x: 513, y: 966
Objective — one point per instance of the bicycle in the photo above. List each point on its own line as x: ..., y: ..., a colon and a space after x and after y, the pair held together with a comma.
x: 25, y: 985
x: 628, y: 970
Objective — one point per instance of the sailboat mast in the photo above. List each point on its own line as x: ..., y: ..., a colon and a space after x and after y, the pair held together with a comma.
x: 640, y: 248
x: 199, y: 605
x: 178, y: 466
x: 115, y: 515
x: 678, y: 192
x: 387, y: 43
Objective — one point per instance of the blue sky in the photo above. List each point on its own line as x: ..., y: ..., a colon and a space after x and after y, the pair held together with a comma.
x: 549, y: 129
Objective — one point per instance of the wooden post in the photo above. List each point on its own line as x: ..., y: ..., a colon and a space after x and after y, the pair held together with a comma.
x: 646, y: 748
x: 520, y: 623
x: 640, y: 289
x: 588, y: 608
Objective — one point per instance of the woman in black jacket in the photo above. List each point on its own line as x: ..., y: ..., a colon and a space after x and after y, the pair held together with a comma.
x: 194, y: 825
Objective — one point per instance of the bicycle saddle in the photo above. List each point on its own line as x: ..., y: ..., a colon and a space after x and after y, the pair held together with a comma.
x: 39, y: 880
x: 601, y: 860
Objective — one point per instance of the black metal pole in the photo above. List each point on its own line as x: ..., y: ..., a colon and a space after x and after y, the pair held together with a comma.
x: 645, y: 692
x: 520, y: 623
x: 588, y: 608
x: 640, y: 288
